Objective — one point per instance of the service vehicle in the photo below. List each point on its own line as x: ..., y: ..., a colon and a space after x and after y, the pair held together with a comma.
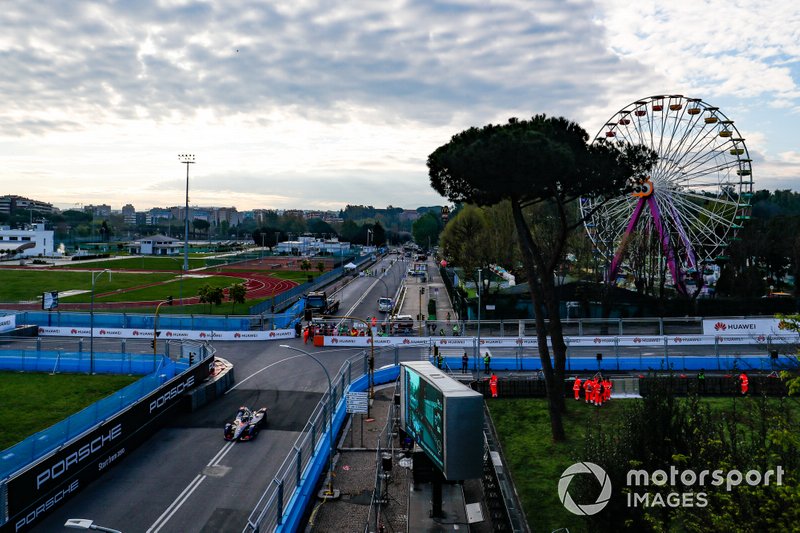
x: 319, y: 303
x: 385, y: 305
x: 401, y: 324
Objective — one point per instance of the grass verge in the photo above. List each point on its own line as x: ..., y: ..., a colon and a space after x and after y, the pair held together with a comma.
x: 33, y: 401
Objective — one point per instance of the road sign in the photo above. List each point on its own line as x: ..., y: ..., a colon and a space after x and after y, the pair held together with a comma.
x: 357, y: 402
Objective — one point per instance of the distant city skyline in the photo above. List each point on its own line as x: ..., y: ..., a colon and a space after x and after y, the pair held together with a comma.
x: 314, y: 105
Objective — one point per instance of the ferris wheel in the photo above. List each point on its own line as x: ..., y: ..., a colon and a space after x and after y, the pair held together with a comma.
x: 685, y: 214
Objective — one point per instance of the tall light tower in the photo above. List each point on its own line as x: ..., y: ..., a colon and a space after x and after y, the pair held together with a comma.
x: 186, y: 159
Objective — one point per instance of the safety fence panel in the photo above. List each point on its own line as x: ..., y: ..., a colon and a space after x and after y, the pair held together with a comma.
x: 41, y: 443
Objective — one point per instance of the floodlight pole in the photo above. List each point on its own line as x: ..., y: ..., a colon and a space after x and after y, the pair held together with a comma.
x: 95, y: 275
x: 187, y: 159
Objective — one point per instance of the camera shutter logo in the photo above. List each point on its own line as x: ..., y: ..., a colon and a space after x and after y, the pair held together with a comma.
x: 586, y: 509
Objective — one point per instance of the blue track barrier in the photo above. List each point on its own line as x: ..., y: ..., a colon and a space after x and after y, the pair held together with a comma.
x: 299, y: 501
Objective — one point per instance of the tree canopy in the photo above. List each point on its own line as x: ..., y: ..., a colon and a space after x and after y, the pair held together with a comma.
x: 546, y: 163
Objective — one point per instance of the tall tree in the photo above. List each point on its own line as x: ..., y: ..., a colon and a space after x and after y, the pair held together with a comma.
x: 237, y: 293
x: 426, y: 229
x: 378, y: 234
x: 464, y: 241
x: 545, y: 163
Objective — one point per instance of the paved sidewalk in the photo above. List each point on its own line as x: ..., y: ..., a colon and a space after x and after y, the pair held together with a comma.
x: 405, y: 507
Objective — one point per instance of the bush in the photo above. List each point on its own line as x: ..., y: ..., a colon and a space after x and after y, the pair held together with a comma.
x: 432, y: 306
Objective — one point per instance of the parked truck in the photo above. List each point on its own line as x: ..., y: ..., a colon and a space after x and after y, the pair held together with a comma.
x: 319, y: 303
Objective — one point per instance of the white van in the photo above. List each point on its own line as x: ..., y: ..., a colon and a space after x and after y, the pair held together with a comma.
x: 402, y: 324
x: 385, y: 305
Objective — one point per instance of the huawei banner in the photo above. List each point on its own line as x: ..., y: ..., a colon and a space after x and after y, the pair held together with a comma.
x: 169, y: 334
x: 7, y: 323
x: 743, y: 326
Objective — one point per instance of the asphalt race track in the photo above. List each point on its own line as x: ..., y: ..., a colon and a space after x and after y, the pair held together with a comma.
x: 187, y: 478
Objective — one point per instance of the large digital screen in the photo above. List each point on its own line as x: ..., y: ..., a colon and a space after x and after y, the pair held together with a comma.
x: 445, y: 419
x: 424, y: 421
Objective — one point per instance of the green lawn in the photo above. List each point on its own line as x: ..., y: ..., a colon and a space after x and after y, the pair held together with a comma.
x: 190, y: 287
x: 28, y: 285
x: 41, y: 400
x: 138, y: 263
x: 536, y: 463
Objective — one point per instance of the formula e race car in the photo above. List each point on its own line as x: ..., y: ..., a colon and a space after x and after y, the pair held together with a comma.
x: 246, y: 424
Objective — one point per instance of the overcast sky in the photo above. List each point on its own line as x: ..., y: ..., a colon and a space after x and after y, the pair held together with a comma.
x: 317, y: 104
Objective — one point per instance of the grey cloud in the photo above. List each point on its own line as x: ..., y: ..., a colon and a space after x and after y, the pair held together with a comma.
x: 425, y: 62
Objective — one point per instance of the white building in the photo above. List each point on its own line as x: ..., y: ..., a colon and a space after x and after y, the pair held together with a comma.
x: 156, y: 245
x: 308, y: 245
x: 34, y: 242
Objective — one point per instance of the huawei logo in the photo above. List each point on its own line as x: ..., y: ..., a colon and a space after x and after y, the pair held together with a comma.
x: 720, y: 326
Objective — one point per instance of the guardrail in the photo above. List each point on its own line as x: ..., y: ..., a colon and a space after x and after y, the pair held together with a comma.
x: 269, y: 512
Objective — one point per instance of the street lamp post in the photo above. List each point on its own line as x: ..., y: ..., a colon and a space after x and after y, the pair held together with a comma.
x: 95, y: 275
x: 168, y: 301
x: 186, y: 159
x: 330, y: 491
x: 421, y: 292
x: 479, y: 287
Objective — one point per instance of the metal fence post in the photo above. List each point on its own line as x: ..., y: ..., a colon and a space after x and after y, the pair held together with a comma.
x: 313, y: 437
x: 279, y: 507
x: 299, y: 461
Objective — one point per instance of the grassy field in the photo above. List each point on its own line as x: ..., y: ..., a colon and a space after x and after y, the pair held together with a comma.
x: 138, y: 263
x: 28, y: 285
x: 190, y: 287
x: 41, y: 400
x: 536, y: 463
